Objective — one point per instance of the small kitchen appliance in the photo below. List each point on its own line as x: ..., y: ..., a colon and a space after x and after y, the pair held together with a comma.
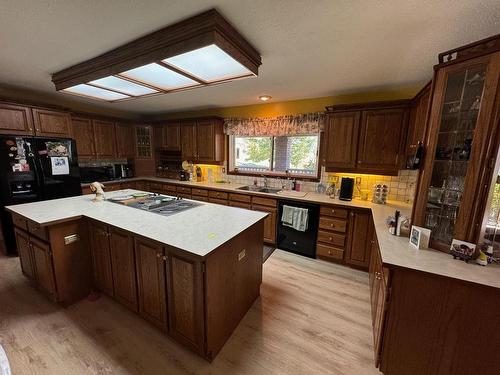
x: 346, y: 189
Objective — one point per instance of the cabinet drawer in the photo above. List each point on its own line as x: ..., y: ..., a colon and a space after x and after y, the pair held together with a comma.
x: 328, y: 223
x: 199, y: 198
x: 184, y: 189
x: 155, y: 187
x: 331, y: 238
x: 240, y: 198
x: 19, y: 221
x: 240, y: 204
x: 184, y: 195
x: 112, y: 187
x: 217, y: 194
x: 264, y: 201
x: 128, y: 185
x: 169, y: 188
x: 36, y: 230
x: 200, y: 192
x: 218, y: 201
x: 334, y: 211
x: 329, y: 252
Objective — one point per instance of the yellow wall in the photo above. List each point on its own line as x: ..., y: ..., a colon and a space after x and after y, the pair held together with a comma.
x: 298, y: 106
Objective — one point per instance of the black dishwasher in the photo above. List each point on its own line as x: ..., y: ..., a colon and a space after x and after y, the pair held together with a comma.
x: 295, y: 241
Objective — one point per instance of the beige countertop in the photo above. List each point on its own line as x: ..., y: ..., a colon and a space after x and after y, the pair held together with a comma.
x: 199, y: 230
x: 395, y: 251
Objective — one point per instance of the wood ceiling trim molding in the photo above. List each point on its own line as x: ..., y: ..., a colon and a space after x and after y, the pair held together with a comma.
x: 201, y: 30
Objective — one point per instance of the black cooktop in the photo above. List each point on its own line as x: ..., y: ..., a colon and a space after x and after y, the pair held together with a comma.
x: 164, y: 205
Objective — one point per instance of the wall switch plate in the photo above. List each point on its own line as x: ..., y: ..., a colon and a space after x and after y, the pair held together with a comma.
x: 71, y: 238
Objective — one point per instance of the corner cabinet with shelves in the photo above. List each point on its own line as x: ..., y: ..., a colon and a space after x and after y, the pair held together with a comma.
x: 366, y: 137
x: 143, y: 136
x: 460, y: 146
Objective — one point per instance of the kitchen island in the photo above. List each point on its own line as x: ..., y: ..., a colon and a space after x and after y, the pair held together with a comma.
x: 193, y: 274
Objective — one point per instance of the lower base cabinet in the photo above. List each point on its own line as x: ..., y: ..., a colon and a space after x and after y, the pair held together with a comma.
x: 198, y: 301
x: 359, y: 245
x: 56, y: 259
x: 151, y: 282
x: 121, y: 246
x: 101, y: 257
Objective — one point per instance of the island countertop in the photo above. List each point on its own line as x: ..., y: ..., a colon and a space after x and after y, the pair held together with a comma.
x: 199, y: 230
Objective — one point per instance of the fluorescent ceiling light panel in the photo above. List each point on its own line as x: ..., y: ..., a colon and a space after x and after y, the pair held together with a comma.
x: 95, y: 92
x: 208, y: 63
x: 122, y: 85
x: 158, y: 76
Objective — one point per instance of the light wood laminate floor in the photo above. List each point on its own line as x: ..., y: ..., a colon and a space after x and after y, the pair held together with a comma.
x: 313, y: 317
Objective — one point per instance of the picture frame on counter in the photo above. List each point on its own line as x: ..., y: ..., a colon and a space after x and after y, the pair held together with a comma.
x: 419, y: 237
x: 462, y: 250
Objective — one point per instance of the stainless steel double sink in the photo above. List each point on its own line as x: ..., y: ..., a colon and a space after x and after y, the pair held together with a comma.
x: 259, y: 189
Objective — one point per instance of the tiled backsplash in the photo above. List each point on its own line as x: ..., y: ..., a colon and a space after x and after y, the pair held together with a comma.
x: 401, y: 187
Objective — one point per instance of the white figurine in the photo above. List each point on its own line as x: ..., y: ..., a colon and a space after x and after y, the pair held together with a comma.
x: 97, y: 188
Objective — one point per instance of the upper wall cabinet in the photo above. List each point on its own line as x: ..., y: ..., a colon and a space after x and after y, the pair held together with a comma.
x: 202, y: 140
x: 341, y: 140
x: 83, y: 133
x: 50, y: 123
x: 15, y: 119
x: 168, y: 136
x: 23, y: 120
x: 367, y: 137
x: 382, y: 139
x: 417, y: 122
x: 104, y: 132
x: 461, y: 144
x: 125, y: 140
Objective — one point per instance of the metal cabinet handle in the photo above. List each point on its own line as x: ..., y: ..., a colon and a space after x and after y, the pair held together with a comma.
x: 333, y: 211
x: 329, y: 252
x: 331, y: 225
x: 158, y: 255
x: 165, y: 258
x: 330, y: 238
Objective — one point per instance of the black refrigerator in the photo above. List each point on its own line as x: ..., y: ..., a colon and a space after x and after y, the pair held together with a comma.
x: 34, y: 169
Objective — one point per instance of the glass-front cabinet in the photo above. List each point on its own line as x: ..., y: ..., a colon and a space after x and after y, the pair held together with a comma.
x: 461, y: 127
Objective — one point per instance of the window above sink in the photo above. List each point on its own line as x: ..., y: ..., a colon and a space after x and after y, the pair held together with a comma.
x: 275, y: 155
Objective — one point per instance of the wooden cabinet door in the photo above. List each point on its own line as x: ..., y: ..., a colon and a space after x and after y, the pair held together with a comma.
x: 341, y: 140
x: 417, y: 121
x: 25, y: 253
x: 44, y: 270
x: 269, y: 223
x: 185, y: 300
x: 125, y: 141
x: 360, y: 237
x: 205, y: 141
x: 104, y: 133
x: 121, y: 245
x: 172, y: 134
x: 382, y: 140
x: 101, y: 257
x: 51, y: 123
x: 83, y: 133
x: 158, y: 137
x: 150, y: 263
x: 188, y: 140
x: 15, y: 119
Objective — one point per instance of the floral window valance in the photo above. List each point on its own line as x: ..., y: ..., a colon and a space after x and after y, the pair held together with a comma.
x: 311, y: 123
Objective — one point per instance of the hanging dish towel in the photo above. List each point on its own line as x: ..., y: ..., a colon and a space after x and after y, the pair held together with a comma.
x: 295, y: 217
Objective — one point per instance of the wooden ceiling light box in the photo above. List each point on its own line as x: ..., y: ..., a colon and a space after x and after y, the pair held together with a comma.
x: 202, y: 50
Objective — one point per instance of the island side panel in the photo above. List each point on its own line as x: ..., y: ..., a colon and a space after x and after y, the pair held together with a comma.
x: 232, y: 283
x: 72, y: 261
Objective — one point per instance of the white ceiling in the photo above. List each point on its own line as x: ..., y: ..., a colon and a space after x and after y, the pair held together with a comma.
x: 309, y: 48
